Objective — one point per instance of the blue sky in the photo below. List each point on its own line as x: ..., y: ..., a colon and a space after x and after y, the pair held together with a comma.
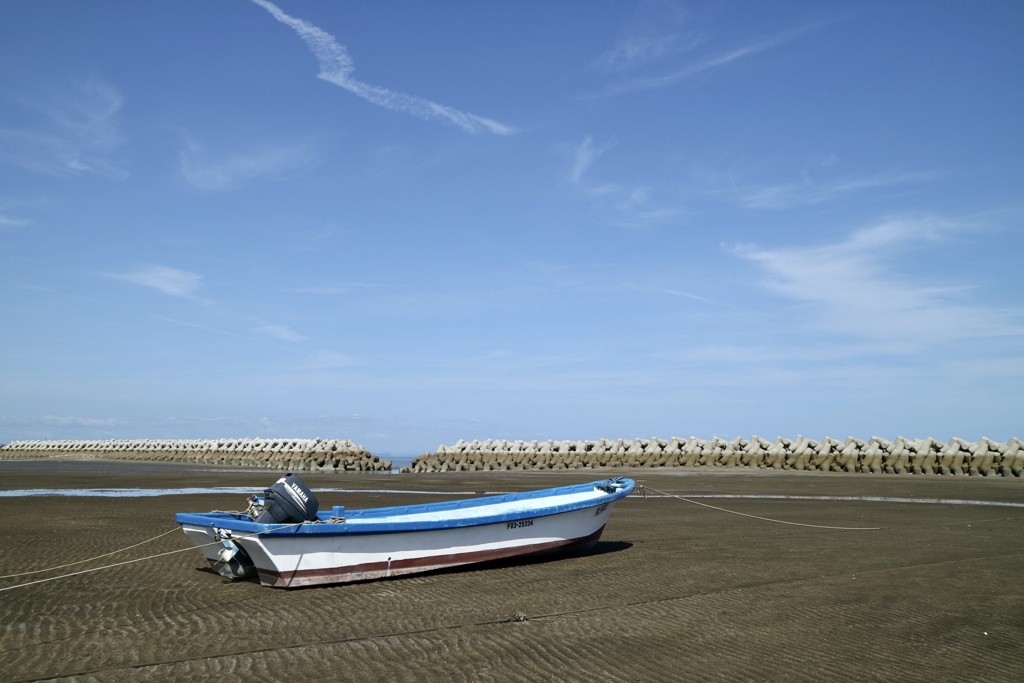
x: 408, y: 223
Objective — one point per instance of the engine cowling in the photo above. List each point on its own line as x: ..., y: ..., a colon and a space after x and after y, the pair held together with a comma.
x: 289, y: 500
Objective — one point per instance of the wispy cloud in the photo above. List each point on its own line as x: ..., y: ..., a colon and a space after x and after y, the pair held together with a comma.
x: 632, y: 218
x: 206, y: 171
x: 677, y: 293
x: 707, y: 63
x: 333, y: 289
x: 583, y: 157
x: 11, y: 222
x: 852, y: 289
x: 311, y: 360
x: 280, y: 332
x: 8, y: 218
x: 336, y: 67
x: 205, y: 328
x: 659, y: 31
x: 759, y: 354
x: 58, y: 420
x: 635, y: 49
x: 389, y: 158
x: 75, y: 132
x: 327, y: 360
x: 171, y: 281
x: 809, y: 192
x: 626, y: 206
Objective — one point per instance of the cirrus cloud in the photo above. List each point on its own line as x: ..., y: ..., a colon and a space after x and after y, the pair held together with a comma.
x: 170, y: 281
x: 336, y: 67
x: 204, y: 170
x: 852, y: 288
x: 73, y: 131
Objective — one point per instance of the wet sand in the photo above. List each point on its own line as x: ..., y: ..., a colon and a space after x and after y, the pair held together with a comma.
x: 672, y: 592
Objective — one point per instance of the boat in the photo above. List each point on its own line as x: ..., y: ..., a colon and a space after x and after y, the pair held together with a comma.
x: 285, y: 540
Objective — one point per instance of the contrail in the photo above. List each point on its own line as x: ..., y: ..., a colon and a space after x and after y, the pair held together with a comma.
x: 336, y: 67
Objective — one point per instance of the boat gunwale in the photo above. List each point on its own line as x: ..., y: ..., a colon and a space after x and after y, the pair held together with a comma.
x: 352, y: 526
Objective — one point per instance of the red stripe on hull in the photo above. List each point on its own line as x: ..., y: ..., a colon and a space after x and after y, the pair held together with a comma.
x: 379, y: 570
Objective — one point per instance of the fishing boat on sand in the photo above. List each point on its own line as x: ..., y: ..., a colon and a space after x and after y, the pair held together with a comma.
x: 288, y: 542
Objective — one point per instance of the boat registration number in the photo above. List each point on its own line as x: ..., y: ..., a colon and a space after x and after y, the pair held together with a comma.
x: 519, y: 524
x: 600, y: 509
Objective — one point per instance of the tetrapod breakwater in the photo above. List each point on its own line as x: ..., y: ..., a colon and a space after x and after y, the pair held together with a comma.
x: 321, y: 455
x: 875, y: 455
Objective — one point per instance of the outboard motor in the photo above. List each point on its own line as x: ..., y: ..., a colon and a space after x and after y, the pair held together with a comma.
x: 233, y: 562
x: 289, y: 500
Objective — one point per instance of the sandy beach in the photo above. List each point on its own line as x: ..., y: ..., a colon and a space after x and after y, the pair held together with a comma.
x: 673, y: 591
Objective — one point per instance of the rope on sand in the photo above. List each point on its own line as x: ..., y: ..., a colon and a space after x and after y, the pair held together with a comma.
x: 138, y: 559
x: 643, y: 488
x: 72, y: 564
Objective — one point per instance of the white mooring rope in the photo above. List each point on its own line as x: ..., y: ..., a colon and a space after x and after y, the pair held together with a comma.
x: 642, y: 488
x: 138, y: 559
x: 72, y: 564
